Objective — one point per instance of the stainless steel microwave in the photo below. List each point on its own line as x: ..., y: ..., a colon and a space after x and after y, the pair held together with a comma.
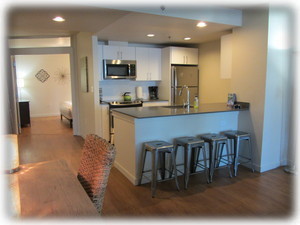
x: 119, y: 69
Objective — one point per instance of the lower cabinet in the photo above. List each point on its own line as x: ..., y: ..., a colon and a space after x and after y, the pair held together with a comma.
x: 105, y: 121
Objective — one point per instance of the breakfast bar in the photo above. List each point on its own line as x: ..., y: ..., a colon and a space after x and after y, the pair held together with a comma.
x: 134, y: 126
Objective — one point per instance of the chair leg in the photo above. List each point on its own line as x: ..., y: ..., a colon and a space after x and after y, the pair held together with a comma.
x: 144, y: 152
x: 162, y: 160
x: 212, y: 156
x: 187, y: 164
x: 236, y: 156
x: 195, y: 158
x: 154, y: 172
x: 203, y: 148
x: 251, y: 154
x: 219, y: 154
x: 228, y: 158
x: 173, y: 157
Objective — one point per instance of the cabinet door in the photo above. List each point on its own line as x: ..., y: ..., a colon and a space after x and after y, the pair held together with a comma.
x: 180, y: 55
x: 177, y: 55
x: 154, y: 63
x: 105, y: 121
x: 142, y: 63
x: 127, y: 53
x: 191, y: 56
x: 110, y: 52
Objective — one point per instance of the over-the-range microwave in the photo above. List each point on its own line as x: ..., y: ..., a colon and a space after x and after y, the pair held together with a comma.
x: 119, y: 69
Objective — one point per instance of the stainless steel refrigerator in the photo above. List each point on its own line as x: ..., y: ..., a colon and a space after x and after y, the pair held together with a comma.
x: 180, y: 76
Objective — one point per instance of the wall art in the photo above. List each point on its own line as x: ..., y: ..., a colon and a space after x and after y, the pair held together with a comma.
x: 42, y: 75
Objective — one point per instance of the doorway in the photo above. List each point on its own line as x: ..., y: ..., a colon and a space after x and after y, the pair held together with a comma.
x: 44, y: 85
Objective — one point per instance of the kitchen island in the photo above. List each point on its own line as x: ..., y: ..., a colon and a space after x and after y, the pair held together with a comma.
x: 134, y: 126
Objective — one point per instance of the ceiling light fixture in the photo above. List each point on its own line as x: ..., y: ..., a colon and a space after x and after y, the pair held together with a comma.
x: 150, y: 35
x: 187, y: 38
x: 201, y: 24
x: 58, y: 19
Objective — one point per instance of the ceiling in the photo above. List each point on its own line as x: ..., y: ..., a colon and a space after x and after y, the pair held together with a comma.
x: 110, y: 24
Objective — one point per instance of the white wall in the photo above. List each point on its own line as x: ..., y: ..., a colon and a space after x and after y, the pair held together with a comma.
x: 46, y: 97
x: 278, y: 97
x: 250, y: 44
x: 114, y: 89
x: 84, y: 47
x: 212, y: 88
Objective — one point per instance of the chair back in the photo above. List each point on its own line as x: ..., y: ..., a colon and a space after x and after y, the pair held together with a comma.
x: 97, y: 159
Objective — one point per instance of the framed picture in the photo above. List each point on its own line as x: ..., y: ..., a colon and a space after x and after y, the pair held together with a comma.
x: 84, y: 74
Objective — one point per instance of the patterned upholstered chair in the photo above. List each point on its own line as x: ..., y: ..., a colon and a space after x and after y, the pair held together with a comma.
x: 97, y: 159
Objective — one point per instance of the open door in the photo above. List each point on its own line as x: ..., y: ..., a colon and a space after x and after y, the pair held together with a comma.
x: 12, y: 116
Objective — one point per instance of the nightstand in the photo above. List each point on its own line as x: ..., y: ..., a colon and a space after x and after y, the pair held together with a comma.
x: 24, y: 113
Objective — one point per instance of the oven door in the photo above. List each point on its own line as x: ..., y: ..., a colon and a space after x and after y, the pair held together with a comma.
x: 119, y: 69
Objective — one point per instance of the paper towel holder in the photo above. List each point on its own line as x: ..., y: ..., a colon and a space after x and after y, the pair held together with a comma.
x: 139, y: 93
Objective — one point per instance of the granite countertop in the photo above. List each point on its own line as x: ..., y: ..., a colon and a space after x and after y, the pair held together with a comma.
x: 160, y: 111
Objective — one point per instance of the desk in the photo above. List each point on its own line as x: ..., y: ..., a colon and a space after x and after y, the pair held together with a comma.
x: 49, y: 189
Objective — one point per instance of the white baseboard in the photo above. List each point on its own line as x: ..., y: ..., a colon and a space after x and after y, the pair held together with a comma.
x: 128, y: 175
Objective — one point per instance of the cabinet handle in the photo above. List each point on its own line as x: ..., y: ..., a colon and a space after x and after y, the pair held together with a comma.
x: 187, y: 60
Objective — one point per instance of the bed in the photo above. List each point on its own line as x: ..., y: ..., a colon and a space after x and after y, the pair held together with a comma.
x: 66, y: 111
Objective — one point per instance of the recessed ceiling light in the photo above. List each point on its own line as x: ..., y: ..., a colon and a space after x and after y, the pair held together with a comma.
x: 201, y: 24
x: 58, y: 19
x: 150, y: 35
x: 187, y: 38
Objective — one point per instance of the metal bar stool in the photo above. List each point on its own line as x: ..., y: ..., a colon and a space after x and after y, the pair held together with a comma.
x: 158, y: 150
x: 216, y: 145
x: 238, y: 136
x: 192, y: 148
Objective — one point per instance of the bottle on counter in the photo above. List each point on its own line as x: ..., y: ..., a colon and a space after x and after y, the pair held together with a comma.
x: 196, y: 102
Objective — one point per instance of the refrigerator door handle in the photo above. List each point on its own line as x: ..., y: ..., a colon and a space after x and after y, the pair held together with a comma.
x: 175, y: 77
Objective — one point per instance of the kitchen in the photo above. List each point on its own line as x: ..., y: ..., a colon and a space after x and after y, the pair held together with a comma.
x: 251, y: 80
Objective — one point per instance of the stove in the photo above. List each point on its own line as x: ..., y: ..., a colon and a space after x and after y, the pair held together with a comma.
x: 124, y: 104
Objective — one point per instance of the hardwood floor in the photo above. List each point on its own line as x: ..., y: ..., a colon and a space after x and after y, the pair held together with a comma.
x: 249, y: 195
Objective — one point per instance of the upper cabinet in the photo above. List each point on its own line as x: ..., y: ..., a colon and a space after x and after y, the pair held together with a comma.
x: 181, y: 55
x: 118, y: 52
x: 148, y: 65
x: 226, y: 57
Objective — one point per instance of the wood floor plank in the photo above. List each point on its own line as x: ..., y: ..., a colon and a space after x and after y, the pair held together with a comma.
x: 268, y: 194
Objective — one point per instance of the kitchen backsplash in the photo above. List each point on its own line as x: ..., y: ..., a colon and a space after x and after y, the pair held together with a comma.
x: 112, y: 90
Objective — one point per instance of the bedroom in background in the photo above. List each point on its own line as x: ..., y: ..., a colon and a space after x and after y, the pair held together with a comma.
x: 44, y: 82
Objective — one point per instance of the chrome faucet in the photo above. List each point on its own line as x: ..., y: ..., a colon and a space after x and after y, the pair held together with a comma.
x: 186, y: 104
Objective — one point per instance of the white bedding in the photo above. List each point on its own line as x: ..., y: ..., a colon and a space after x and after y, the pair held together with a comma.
x: 66, y: 109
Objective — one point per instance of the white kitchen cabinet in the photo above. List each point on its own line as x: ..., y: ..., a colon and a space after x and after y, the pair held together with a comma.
x: 105, y: 120
x: 155, y: 103
x: 118, y: 52
x: 181, y: 55
x: 148, y: 63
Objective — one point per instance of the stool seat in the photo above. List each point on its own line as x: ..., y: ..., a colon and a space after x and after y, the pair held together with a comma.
x: 152, y: 145
x: 158, y: 150
x: 189, y: 141
x: 235, y: 133
x: 214, y: 137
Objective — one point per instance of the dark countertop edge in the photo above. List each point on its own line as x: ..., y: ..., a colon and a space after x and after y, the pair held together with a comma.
x: 157, y: 100
x: 233, y: 110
